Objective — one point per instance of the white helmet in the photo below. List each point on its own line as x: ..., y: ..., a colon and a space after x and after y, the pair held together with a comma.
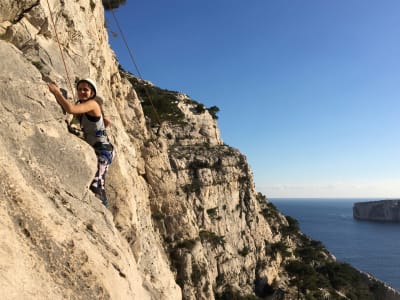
x: 91, y: 83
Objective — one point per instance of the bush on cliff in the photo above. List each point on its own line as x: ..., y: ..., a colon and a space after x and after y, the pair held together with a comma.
x: 112, y: 4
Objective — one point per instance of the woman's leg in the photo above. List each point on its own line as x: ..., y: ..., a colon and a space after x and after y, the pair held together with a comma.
x: 98, y: 184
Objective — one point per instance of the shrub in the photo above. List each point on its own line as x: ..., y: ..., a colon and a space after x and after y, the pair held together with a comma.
x: 280, y: 247
x: 111, y: 4
x: 158, y: 105
x: 244, y: 251
x: 212, y: 238
x: 356, y: 285
x: 261, y: 198
x: 199, y: 108
x: 333, y: 277
x: 312, y: 251
x: 303, y: 276
x: 213, y: 110
x: 213, y: 212
x: 292, y: 228
x: 268, y: 209
x: 230, y: 293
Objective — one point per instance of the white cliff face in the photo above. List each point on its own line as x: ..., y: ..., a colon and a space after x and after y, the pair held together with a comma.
x: 384, y: 210
x: 185, y: 220
x: 215, y: 193
x: 64, y: 243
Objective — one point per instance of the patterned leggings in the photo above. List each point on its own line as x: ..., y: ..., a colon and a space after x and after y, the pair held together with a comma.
x: 104, y: 159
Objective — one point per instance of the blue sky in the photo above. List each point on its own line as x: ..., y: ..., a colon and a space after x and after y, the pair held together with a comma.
x: 307, y: 90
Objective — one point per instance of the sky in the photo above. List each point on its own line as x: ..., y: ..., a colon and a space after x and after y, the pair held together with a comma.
x: 308, y: 90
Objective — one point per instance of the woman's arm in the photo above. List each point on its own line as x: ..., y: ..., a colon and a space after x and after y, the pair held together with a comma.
x: 107, y: 121
x: 81, y: 108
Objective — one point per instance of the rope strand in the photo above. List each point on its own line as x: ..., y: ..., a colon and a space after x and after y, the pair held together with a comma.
x: 61, y: 51
x: 134, y: 63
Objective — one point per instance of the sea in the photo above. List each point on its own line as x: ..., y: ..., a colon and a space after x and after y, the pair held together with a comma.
x: 371, y: 247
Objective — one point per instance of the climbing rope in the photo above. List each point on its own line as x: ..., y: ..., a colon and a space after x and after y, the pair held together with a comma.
x: 134, y: 62
x: 61, y: 51
x: 126, y: 45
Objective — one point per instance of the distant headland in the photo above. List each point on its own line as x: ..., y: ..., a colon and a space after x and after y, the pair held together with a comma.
x: 382, y: 210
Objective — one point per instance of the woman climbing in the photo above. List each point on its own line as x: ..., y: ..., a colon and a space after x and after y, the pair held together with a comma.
x: 93, y: 123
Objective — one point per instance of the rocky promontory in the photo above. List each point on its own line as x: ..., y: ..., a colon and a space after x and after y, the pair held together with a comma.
x: 382, y: 210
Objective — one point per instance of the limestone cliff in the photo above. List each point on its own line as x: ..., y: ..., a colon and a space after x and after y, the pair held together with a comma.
x: 185, y: 219
x: 383, y: 210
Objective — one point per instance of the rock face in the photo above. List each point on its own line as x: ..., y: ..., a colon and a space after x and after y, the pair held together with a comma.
x: 384, y: 210
x: 185, y: 220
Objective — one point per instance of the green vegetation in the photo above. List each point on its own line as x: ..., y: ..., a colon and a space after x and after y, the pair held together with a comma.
x: 212, y: 238
x: 111, y: 4
x: 231, y: 293
x: 213, y: 110
x: 280, y: 246
x: 310, y: 268
x: 268, y: 209
x: 311, y: 251
x: 314, y: 271
x: 159, y: 105
x: 213, y: 212
x: 292, y: 228
x: 261, y: 198
x: 244, y: 251
x: 199, y: 108
x: 349, y: 281
x: 332, y: 277
x: 304, y: 277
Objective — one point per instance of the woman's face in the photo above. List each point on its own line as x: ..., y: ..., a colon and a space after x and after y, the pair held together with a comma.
x: 85, y: 91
